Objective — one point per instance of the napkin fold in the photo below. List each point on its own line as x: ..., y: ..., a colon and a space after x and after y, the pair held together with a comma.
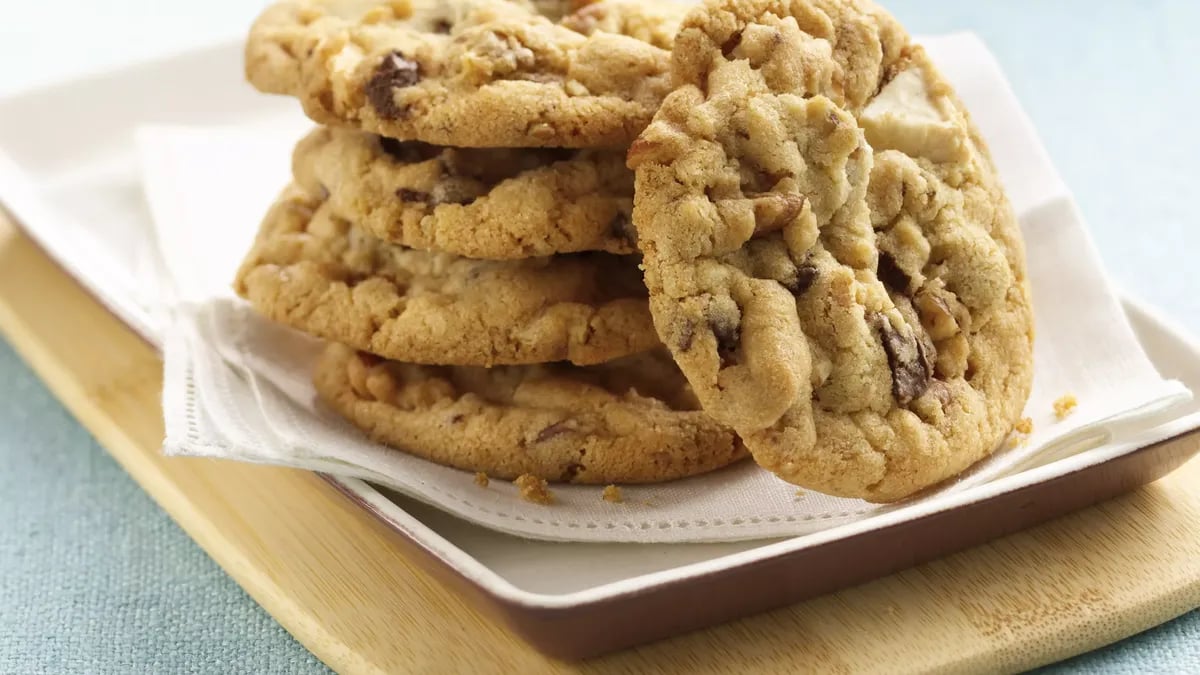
x: 237, y: 386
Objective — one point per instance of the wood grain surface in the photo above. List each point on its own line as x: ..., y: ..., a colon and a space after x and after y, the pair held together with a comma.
x: 336, y: 579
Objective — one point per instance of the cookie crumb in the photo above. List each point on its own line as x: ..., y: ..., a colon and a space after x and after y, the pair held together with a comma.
x: 534, y: 489
x: 481, y: 479
x: 612, y: 494
x: 1064, y: 406
x: 1020, y: 433
x: 800, y: 493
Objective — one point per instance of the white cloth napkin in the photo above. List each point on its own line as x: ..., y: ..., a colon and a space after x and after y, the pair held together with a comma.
x: 238, y: 387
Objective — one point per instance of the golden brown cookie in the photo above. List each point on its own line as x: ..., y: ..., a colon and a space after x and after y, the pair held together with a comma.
x: 323, y: 275
x: 480, y: 73
x: 830, y: 256
x: 633, y: 420
x: 493, y: 203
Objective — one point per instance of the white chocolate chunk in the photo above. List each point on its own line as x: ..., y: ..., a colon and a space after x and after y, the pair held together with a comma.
x: 902, y: 117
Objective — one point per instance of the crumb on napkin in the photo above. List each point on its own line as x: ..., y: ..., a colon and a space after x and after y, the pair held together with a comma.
x: 612, y: 494
x: 481, y: 479
x: 1064, y: 406
x: 534, y: 489
x: 1020, y: 433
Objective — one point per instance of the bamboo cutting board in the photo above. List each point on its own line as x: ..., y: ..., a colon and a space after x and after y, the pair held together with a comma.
x: 336, y: 578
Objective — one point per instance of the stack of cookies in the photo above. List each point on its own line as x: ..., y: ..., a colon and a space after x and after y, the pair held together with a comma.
x: 628, y: 242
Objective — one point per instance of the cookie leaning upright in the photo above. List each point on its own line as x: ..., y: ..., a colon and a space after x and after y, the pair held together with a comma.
x: 477, y: 73
x: 829, y: 254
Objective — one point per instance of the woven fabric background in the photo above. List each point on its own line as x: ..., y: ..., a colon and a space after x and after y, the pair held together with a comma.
x: 94, y: 578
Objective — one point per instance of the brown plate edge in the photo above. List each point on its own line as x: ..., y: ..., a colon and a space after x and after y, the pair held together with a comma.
x: 675, y: 607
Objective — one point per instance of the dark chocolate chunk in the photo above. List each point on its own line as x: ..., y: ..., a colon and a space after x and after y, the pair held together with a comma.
x: 891, y: 275
x: 394, y: 72
x: 731, y: 44
x: 729, y: 336
x: 908, y: 360
x: 570, y: 472
x: 556, y: 429
x: 442, y: 26
x: 806, y: 276
x: 622, y: 228
x: 687, y: 335
x: 412, y: 195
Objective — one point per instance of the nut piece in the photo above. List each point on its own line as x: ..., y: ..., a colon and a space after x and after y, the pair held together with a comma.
x: 903, y: 117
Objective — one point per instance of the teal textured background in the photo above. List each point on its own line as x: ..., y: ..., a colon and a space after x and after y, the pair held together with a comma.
x: 94, y: 578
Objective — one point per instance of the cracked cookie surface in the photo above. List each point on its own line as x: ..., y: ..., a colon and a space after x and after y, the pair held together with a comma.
x: 323, y: 275
x: 830, y: 256
x: 480, y: 73
x: 493, y: 203
x: 633, y: 420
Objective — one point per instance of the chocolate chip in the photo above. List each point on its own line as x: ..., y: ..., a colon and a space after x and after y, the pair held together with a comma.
x: 556, y: 429
x: 442, y: 26
x: 456, y: 190
x: 729, y: 335
x: 687, y: 335
x: 407, y: 195
x: 891, y: 275
x: 806, y: 276
x: 408, y: 152
x: 394, y: 72
x: 570, y: 472
x: 731, y: 44
x: 910, y: 363
x: 622, y: 228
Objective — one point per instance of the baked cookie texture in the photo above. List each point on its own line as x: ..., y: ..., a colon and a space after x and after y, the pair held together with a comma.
x: 493, y: 203
x: 480, y: 73
x: 830, y: 256
x: 633, y: 420
x: 321, y: 274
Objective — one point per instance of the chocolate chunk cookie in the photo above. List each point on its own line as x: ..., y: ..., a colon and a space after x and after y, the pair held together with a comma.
x: 480, y: 73
x: 323, y: 275
x: 830, y: 256
x: 633, y: 420
x: 492, y: 203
